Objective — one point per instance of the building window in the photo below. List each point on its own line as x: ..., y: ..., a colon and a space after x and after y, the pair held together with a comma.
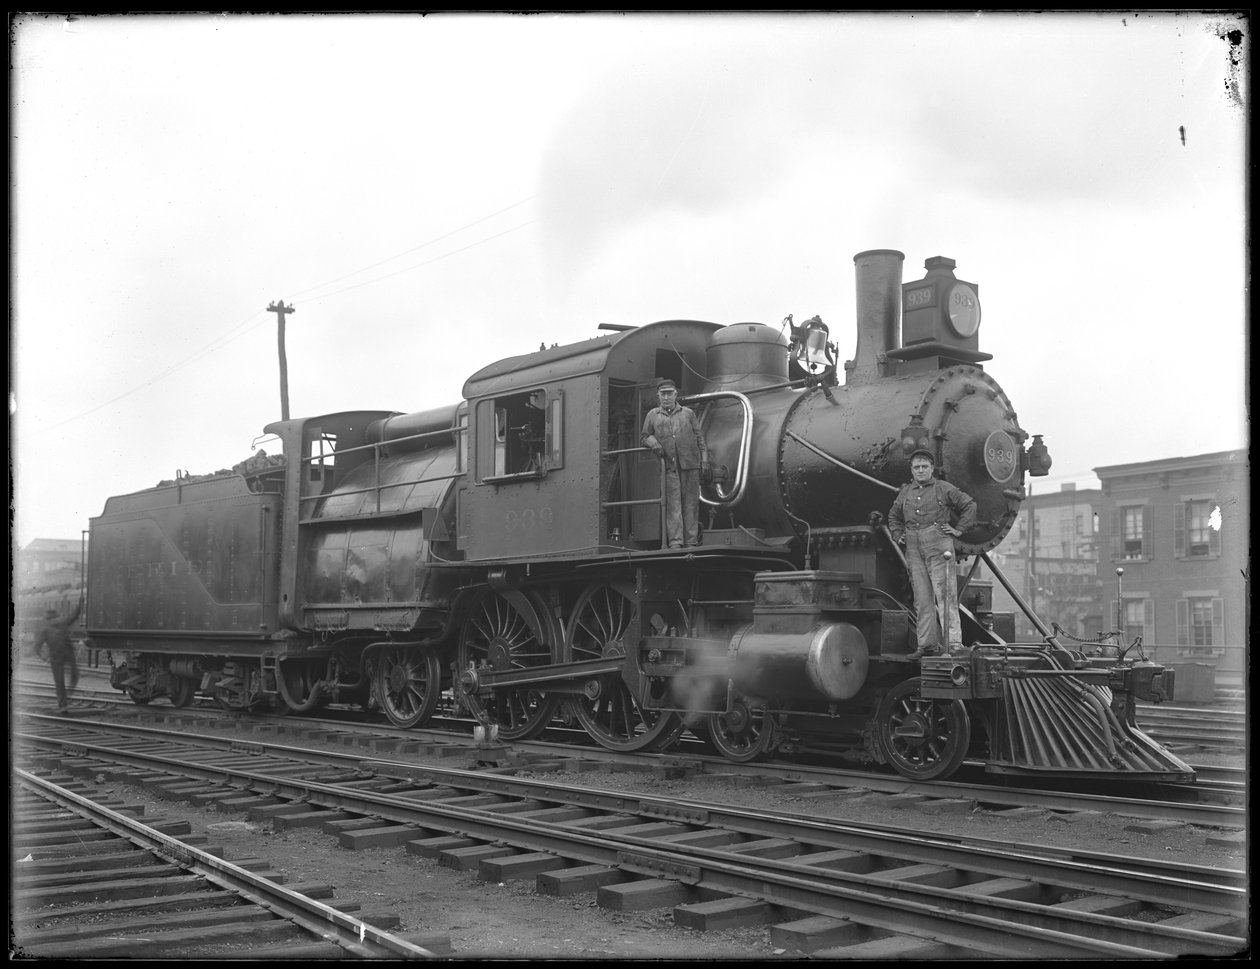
x: 1130, y: 530
x: 1135, y: 619
x: 1201, y: 621
x: 1196, y: 528
x: 1131, y: 536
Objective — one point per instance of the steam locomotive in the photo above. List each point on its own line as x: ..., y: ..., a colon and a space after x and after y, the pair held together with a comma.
x: 506, y: 552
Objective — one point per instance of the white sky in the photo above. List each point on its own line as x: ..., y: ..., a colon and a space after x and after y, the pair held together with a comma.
x: 435, y: 193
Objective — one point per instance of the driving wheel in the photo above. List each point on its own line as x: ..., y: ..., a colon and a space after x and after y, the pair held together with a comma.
x: 510, y: 632
x: 606, y: 624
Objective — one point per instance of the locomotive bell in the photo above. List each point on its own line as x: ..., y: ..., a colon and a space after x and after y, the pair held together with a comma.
x: 811, y: 349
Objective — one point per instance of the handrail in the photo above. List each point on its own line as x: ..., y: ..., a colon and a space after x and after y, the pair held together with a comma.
x: 729, y: 500
x: 838, y: 463
x: 384, y: 485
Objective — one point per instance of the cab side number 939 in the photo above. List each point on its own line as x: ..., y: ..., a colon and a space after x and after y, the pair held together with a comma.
x: 528, y: 519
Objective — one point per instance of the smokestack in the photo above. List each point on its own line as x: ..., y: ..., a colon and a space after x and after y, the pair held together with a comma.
x: 878, y: 312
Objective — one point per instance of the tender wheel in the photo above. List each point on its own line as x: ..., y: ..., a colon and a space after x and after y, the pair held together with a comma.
x: 224, y: 700
x: 605, y: 623
x: 182, y: 691
x: 741, y: 735
x: 138, y: 698
x: 511, y: 633
x: 300, y: 685
x: 236, y: 687
x: 922, y: 739
x: 408, y: 684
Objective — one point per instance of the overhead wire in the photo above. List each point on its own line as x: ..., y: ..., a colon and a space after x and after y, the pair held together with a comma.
x: 423, y: 245
x: 256, y: 319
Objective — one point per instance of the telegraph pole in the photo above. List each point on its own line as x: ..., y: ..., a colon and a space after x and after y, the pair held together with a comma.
x: 280, y: 309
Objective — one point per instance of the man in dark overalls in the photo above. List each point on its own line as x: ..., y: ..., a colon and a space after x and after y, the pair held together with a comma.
x: 55, y: 645
x: 926, y: 517
x: 673, y: 433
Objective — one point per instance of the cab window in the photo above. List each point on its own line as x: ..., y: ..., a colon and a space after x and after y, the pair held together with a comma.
x: 520, y: 435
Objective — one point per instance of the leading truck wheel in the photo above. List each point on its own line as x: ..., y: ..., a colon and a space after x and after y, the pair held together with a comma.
x: 606, y: 624
x: 408, y: 684
x: 512, y: 631
x: 923, y: 739
x: 741, y: 735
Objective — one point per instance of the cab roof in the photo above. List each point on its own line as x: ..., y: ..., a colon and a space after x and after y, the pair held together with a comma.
x: 549, y: 364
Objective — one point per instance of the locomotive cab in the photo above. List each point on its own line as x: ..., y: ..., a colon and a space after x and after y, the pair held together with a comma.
x: 556, y: 467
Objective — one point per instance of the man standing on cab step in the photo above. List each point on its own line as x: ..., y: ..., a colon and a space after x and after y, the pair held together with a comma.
x: 674, y: 435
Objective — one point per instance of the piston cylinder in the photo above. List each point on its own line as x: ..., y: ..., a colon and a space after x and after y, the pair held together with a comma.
x: 830, y: 660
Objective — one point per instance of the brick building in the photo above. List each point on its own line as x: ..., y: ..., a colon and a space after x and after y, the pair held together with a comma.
x: 49, y: 562
x: 47, y: 574
x: 1179, y: 528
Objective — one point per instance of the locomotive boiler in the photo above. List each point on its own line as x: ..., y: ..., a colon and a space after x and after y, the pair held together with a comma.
x: 505, y: 553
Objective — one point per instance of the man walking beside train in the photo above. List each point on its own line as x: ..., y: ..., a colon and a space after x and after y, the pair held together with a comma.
x: 674, y: 435
x: 926, y: 516
x: 54, y: 644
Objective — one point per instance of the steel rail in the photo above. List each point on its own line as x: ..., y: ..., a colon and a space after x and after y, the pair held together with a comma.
x: 1200, y: 813
x: 354, y: 936
x: 780, y: 882
x: 1225, y: 785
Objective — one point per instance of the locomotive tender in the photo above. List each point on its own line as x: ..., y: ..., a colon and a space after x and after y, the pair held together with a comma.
x: 508, y: 549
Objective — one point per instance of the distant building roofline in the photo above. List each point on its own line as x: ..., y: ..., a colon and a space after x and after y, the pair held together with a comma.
x: 52, y: 545
x: 1211, y: 459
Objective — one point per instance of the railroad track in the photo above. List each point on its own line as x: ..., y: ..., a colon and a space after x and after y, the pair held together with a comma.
x: 1217, y: 799
x: 92, y: 880
x: 1190, y: 726
x: 1180, y: 728
x: 837, y: 889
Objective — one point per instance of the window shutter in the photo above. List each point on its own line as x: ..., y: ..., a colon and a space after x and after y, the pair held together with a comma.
x: 1148, y: 621
x: 1183, y: 622
x: 1214, y: 538
x: 555, y: 430
x: 1148, y: 535
x: 1218, y: 622
x: 1116, y: 516
x: 1179, y: 529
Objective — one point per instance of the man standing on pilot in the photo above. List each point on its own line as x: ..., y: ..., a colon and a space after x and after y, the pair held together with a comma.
x: 926, y: 516
x: 674, y: 435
